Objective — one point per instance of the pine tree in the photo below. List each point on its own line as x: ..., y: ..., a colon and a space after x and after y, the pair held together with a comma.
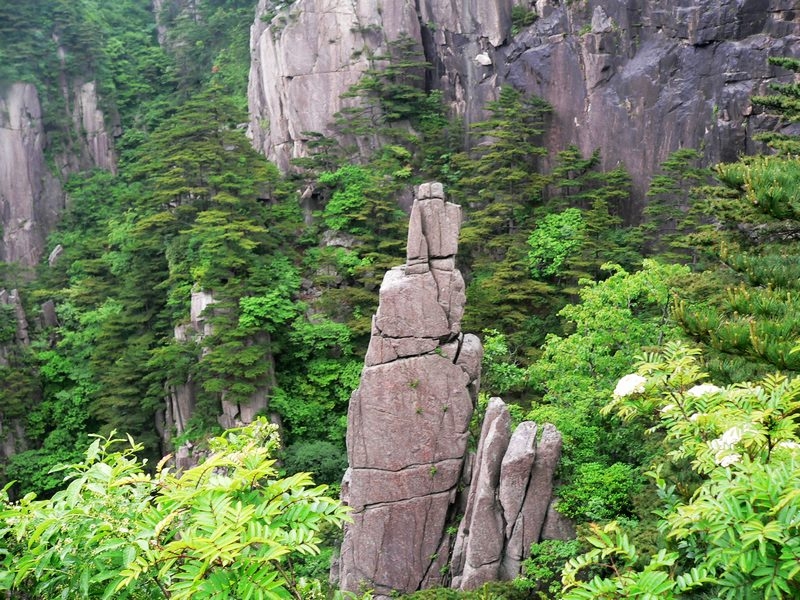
x: 786, y: 104
x: 753, y: 325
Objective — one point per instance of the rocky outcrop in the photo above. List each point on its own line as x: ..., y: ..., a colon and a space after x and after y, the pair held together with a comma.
x: 410, y: 475
x: 30, y: 195
x: 408, y: 420
x: 181, y: 399
x: 637, y: 79
x: 89, y: 121
x: 509, y: 501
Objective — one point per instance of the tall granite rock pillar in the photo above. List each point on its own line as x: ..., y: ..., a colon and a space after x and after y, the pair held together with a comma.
x: 408, y: 420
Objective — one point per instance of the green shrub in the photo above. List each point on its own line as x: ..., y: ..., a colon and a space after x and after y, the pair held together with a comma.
x: 599, y: 492
x: 325, y: 460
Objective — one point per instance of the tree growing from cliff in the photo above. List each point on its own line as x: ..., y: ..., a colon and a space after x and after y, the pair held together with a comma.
x: 785, y: 102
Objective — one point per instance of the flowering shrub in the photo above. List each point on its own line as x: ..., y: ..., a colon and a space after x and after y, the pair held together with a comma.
x: 738, y: 534
x: 629, y: 385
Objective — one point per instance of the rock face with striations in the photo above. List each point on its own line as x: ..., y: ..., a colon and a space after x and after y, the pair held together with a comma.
x: 306, y: 54
x: 410, y: 477
x: 31, y: 194
x: 636, y: 78
x: 510, y: 494
x: 408, y: 420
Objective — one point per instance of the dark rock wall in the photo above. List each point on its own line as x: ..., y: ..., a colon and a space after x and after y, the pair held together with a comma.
x: 640, y: 79
x: 636, y: 78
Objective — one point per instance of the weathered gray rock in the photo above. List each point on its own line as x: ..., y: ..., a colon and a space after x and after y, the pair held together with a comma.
x: 479, y: 547
x: 557, y: 526
x: 30, y: 197
x: 651, y: 75
x: 49, y: 316
x: 620, y: 75
x: 530, y: 519
x: 90, y: 121
x: 408, y: 420
x: 180, y: 400
x: 312, y: 51
x: 516, y: 472
x: 509, y: 497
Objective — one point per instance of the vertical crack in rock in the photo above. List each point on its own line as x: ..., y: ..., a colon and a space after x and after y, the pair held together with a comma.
x: 408, y: 420
x: 407, y: 436
x: 509, y: 499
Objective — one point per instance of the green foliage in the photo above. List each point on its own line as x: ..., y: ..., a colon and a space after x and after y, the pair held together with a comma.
x: 348, y: 201
x: 556, y: 237
x: 490, y: 591
x: 391, y: 90
x: 599, y: 492
x: 324, y: 460
x: 736, y: 534
x: 785, y: 103
x: 671, y: 217
x: 225, y: 528
x: 521, y: 17
x: 749, y: 323
x: 601, y: 196
x: 499, y: 186
x: 499, y: 373
x: 616, y: 320
x: 541, y: 571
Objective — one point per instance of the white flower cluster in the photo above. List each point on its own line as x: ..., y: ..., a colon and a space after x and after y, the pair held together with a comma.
x: 703, y: 389
x: 629, y: 385
x: 789, y: 444
x: 722, y: 447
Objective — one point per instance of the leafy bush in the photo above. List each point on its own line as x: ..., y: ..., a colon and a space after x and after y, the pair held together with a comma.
x: 542, y: 570
x: 225, y: 528
x: 556, y: 238
x: 737, y: 534
x: 325, y: 460
x: 599, y: 492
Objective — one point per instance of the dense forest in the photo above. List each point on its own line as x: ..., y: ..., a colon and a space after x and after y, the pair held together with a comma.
x: 664, y: 348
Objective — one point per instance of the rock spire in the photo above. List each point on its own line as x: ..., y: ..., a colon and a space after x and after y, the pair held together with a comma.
x: 408, y: 420
x: 411, y: 479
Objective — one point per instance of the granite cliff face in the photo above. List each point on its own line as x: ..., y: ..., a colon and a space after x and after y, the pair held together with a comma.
x: 637, y: 79
x: 31, y: 194
x: 641, y: 79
